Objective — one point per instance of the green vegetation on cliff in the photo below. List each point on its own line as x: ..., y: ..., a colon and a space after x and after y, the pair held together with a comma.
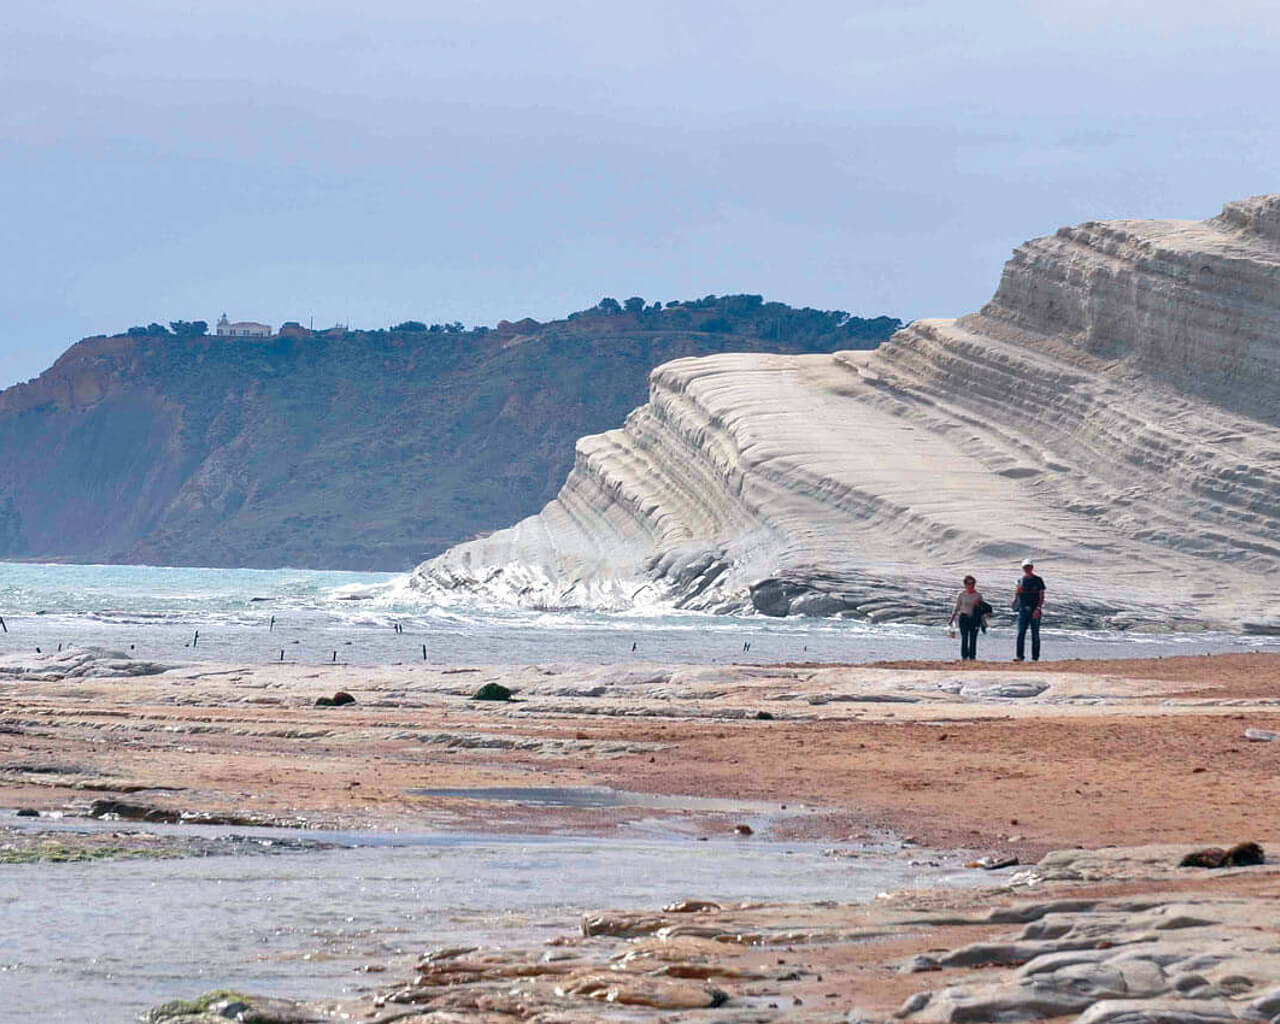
x: 342, y: 449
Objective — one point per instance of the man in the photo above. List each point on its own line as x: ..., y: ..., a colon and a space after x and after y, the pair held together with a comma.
x: 1028, y: 599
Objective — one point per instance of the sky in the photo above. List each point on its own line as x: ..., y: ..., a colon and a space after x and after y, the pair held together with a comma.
x: 386, y: 160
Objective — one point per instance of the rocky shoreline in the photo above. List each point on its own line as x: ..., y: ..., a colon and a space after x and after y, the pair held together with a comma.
x: 70, y: 845
x: 1123, y: 936
x: 1017, y: 760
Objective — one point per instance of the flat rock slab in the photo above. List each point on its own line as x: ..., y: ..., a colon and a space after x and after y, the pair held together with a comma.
x: 1200, y: 956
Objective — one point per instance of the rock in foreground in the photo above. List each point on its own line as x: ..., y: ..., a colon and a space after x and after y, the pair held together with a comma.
x: 1186, y: 951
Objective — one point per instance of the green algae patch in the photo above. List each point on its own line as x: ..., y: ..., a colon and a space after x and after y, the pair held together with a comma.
x: 178, y: 1009
x: 18, y: 846
x: 49, y: 852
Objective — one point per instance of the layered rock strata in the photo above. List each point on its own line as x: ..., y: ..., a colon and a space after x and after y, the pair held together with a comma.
x: 1182, y: 952
x: 1113, y: 412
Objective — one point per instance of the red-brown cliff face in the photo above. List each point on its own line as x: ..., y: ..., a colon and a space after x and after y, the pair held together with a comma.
x: 80, y: 377
x: 350, y: 450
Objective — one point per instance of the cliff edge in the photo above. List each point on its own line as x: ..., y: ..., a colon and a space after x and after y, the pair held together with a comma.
x: 1113, y: 412
x: 341, y: 449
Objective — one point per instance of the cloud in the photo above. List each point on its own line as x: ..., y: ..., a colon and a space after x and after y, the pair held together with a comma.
x: 390, y: 160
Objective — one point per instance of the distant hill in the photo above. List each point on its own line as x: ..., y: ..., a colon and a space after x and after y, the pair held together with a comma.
x: 342, y: 449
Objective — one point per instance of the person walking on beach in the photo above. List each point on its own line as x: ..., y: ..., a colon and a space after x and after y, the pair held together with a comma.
x: 1028, y: 601
x: 969, y: 611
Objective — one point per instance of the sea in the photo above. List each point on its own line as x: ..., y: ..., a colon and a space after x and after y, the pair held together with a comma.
x: 255, y: 616
x: 102, y: 941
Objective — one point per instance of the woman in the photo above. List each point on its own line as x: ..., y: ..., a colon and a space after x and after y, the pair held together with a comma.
x: 969, y: 611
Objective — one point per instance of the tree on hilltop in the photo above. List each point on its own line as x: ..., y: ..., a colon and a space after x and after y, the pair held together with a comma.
x: 151, y: 330
x: 188, y: 328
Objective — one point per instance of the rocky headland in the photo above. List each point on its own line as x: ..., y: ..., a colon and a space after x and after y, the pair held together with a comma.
x: 1112, y: 412
x: 341, y: 449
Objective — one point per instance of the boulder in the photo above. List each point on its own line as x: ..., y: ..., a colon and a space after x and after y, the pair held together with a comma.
x: 1245, y: 854
x: 133, y: 812
x: 1208, y: 857
x: 773, y: 597
x: 1240, y: 855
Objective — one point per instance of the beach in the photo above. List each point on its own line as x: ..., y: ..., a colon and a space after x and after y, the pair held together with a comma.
x: 998, y: 760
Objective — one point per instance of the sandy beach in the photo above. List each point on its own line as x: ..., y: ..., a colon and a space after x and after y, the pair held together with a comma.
x: 1001, y: 759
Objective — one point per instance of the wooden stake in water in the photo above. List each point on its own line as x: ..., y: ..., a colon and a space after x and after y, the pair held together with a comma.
x: 282, y: 654
x: 273, y: 624
x: 424, y: 652
x: 335, y: 656
x: 196, y: 639
x: 2, y: 625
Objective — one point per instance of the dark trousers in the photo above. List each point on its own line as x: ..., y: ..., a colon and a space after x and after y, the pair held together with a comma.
x: 1025, y: 620
x: 969, y: 636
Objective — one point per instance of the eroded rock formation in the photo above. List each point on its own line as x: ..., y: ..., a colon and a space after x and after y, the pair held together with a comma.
x: 1177, y: 953
x: 1113, y: 412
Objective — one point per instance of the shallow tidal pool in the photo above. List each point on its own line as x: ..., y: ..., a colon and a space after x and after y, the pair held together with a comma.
x: 104, y: 941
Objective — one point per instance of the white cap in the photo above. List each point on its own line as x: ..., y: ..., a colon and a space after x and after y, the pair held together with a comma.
x: 1026, y: 562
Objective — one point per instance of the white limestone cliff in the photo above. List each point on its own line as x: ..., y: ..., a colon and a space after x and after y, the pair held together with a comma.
x: 1113, y: 412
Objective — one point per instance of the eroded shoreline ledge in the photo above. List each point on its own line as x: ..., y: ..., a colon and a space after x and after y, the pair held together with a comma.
x: 1123, y: 936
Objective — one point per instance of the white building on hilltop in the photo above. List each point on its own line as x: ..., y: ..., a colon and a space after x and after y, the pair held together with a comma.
x: 241, y: 329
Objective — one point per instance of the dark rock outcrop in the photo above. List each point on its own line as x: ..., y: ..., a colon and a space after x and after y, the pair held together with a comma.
x: 1239, y: 856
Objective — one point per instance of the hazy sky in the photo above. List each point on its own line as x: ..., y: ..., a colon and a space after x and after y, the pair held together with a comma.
x: 390, y: 159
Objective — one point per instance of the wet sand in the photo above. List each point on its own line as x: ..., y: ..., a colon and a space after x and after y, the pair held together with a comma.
x: 1010, y: 759
x: 1116, y: 752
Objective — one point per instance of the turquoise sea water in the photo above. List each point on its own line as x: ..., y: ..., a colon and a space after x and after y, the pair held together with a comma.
x: 375, y: 618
